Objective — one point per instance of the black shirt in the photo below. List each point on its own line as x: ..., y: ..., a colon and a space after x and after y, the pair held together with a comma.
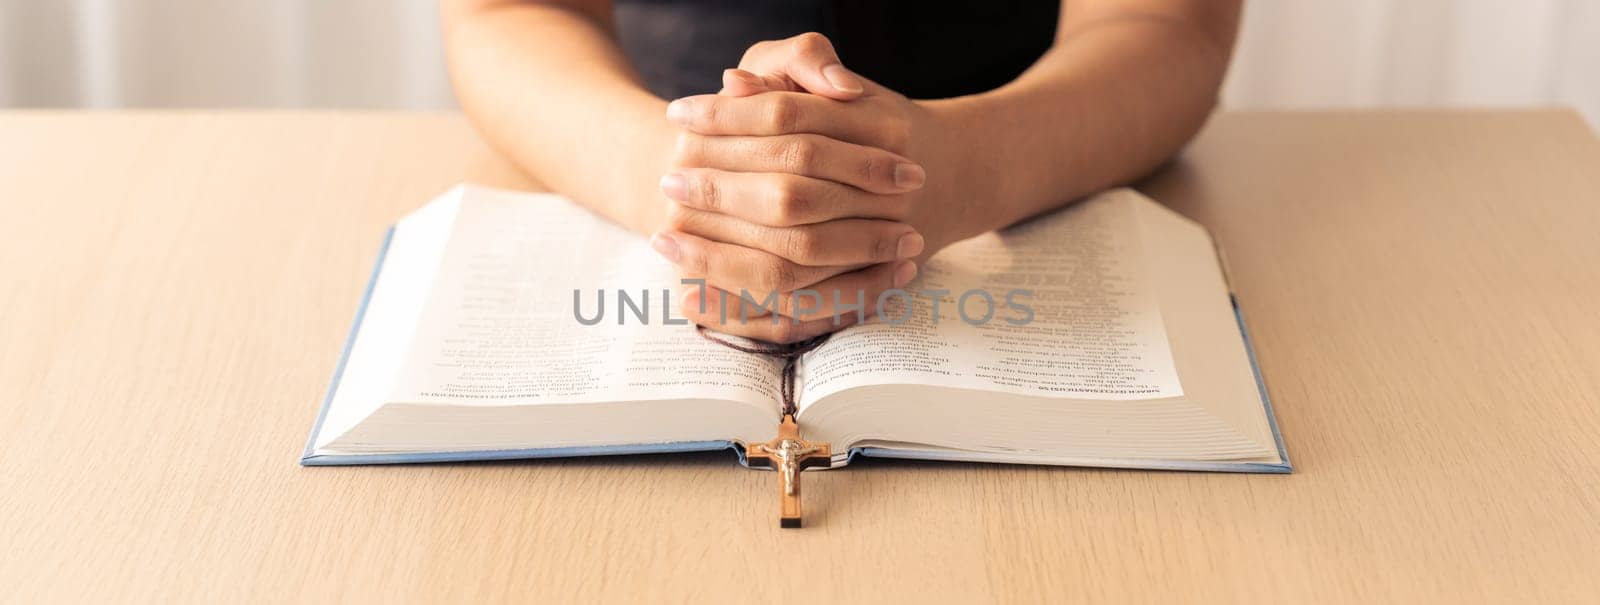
x: 924, y: 50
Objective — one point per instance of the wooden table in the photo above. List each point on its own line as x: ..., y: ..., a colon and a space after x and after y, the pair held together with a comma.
x: 1423, y: 288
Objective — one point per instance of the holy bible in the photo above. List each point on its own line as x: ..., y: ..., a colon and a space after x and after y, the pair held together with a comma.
x: 502, y: 325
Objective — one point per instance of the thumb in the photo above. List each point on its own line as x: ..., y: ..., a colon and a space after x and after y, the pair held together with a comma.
x: 808, y: 63
x: 741, y: 83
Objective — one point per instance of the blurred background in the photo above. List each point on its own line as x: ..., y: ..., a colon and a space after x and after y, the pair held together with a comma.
x: 386, y: 54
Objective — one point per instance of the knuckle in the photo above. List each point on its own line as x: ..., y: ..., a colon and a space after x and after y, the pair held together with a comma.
x: 783, y: 114
x: 811, y: 42
x: 778, y: 275
x: 871, y: 165
x: 787, y: 330
x: 707, y: 190
x: 789, y: 205
x: 885, y: 246
x: 895, y: 134
x: 706, y: 112
x: 794, y: 154
x: 799, y: 244
x: 695, y: 261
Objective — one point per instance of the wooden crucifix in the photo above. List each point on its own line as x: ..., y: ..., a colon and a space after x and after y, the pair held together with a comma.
x: 789, y: 454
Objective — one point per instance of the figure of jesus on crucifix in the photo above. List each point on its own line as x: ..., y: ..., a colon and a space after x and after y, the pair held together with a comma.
x: 788, y: 454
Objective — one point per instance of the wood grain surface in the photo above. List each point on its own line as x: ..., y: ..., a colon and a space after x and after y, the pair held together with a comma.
x: 1423, y: 288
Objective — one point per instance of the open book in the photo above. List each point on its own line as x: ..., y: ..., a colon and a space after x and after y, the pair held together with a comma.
x: 1103, y: 334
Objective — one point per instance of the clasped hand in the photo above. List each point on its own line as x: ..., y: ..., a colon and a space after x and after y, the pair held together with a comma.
x: 801, y: 175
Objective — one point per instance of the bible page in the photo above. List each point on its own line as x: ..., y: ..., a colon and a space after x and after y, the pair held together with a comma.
x: 1059, y: 306
x: 504, y: 326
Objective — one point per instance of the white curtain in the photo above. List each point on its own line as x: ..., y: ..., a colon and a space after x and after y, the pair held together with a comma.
x: 385, y: 54
x: 1365, y: 53
x: 222, y: 53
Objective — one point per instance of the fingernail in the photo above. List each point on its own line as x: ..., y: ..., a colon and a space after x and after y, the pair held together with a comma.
x: 910, y: 245
x: 675, y: 186
x: 841, y: 78
x: 904, y: 273
x: 666, y: 246
x: 909, y: 176
x: 680, y: 111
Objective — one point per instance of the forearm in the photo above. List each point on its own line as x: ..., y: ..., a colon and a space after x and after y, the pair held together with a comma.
x: 1114, y: 99
x: 549, y: 87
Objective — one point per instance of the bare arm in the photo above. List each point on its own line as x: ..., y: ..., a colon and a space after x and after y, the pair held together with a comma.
x: 1126, y: 85
x: 547, y: 84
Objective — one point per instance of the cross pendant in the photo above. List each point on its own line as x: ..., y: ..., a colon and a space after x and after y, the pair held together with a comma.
x: 789, y: 454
